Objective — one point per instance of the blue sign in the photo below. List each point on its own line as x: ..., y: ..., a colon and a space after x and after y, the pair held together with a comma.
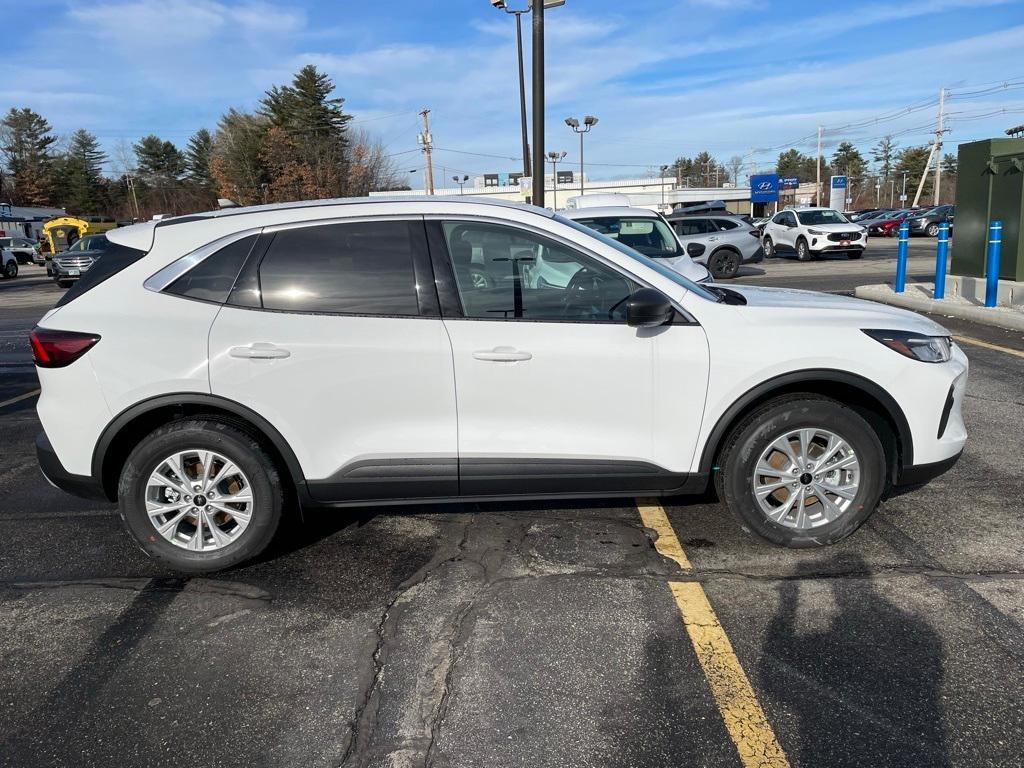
x: 838, y: 182
x: 764, y: 188
x: 789, y: 182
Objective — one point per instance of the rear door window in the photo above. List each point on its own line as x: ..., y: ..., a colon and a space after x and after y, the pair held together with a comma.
x: 686, y: 227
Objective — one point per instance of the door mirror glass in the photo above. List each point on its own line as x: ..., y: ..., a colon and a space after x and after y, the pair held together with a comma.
x: 647, y: 308
x: 694, y: 250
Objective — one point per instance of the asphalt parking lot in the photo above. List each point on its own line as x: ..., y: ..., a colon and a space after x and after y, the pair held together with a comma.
x: 596, y: 634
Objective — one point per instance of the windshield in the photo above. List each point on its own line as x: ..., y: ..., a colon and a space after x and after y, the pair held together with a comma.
x: 650, y: 236
x: 822, y: 216
x: 90, y: 243
x: 657, y: 266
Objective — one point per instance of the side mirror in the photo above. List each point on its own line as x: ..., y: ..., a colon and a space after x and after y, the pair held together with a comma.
x: 694, y: 250
x: 648, y: 308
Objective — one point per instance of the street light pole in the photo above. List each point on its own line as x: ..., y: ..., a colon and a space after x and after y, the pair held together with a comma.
x: 538, y: 100
x: 461, y: 182
x: 555, y: 158
x: 661, y: 180
x: 588, y: 122
x: 500, y: 5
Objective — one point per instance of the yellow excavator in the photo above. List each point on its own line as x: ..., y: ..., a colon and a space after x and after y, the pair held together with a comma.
x: 60, y: 233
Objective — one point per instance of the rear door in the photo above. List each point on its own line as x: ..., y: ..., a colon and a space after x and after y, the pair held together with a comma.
x: 333, y: 334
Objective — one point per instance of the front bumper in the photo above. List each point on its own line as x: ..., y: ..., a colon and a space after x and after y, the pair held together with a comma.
x: 856, y: 246
x: 919, y: 474
x: 85, y: 486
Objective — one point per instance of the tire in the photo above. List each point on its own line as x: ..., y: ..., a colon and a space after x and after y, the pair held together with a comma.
x: 11, y: 269
x: 255, y: 467
x: 753, y: 437
x: 803, y: 251
x: 932, y: 230
x: 769, y: 248
x: 724, y: 263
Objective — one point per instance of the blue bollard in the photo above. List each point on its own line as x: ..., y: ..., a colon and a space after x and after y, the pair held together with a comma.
x: 901, y: 257
x: 995, y: 245
x: 941, y: 257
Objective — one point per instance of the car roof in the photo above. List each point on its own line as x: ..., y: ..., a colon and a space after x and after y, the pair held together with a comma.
x: 706, y: 215
x: 609, y: 210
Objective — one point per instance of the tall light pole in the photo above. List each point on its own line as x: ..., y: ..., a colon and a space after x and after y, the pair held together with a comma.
x: 502, y: 6
x: 461, y: 182
x: 661, y: 179
x: 554, y: 158
x: 588, y: 122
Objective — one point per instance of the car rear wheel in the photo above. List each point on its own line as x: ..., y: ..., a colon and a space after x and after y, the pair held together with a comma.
x: 803, y: 251
x: 11, y: 269
x: 802, y: 471
x: 200, y: 495
x: 723, y: 264
x: 769, y: 247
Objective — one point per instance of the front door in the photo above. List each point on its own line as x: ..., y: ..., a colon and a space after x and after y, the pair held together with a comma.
x: 334, y: 336
x: 556, y: 393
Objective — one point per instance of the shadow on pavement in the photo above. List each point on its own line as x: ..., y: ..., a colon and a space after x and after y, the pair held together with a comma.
x: 866, y: 689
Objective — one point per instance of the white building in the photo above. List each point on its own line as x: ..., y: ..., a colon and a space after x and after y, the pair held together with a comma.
x: 20, y: 221
x: 655, y: 193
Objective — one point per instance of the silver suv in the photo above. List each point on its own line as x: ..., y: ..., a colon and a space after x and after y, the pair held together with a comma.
x: 728, y: 241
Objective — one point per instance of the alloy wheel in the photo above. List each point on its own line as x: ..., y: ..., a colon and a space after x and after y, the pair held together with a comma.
x: 199, y: 500
x: 806, y: 478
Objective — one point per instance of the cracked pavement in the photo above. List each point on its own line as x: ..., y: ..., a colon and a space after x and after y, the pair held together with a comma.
x: 518, y: 634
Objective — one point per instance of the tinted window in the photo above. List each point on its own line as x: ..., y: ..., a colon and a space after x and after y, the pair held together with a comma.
x: 822, y: 216
x: 115, y: 258
x: 212, y: 278
x: 693, y: 227
x: 511, y: 274
x: 361, y: 268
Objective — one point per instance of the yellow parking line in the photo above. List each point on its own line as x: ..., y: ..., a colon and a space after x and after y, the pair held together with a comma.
x: 667, y: 543
x: 744, y: 719
x: 988, y: 345
x: 19, y: 398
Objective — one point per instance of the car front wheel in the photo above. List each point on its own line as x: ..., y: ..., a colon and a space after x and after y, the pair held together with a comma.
x: 200, y: 495
x: 802, y: 471
x: 11, y: 269
x: 933, y: 230
x: 769, y: 247
x: 803, y: 251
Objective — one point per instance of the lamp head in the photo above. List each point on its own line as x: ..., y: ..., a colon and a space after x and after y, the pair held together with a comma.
x: 499, y: 4
x: 590, y: 120
x: 572, y: 122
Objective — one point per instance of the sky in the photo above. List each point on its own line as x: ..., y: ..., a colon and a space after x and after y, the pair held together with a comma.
x: 665, y: 77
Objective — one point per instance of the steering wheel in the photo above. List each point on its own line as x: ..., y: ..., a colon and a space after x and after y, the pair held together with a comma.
x: 586, y: 293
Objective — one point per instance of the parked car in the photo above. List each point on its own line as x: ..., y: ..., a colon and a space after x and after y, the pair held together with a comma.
x: 25, y: 250
x: 809, y: 232
x: 728, y: 241
x: 927, y: 222
x: 213, y: 371
x: 644, y: 231
x: 8, y: 263
x: 889, y: 224
x: 69, y: 265
x: 870, y: 213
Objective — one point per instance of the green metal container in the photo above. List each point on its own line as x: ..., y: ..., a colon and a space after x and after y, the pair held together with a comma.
x: 990, y: 185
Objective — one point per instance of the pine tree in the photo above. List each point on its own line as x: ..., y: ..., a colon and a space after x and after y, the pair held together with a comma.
x: 198, y: 154
x: 159, y: 160
x: 26, y: 141
x: 848, y: 160
x: 884, y: 153
x: 82, y: 184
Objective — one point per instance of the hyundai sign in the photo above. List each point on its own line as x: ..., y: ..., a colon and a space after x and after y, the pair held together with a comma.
x: 764, y: 188
x: 837, y: 196
x: 789, y: 182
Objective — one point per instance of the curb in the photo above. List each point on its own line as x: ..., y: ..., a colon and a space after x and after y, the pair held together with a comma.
x: 999, y: 317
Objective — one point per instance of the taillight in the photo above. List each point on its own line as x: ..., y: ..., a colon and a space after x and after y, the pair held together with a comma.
x: 56, y: 349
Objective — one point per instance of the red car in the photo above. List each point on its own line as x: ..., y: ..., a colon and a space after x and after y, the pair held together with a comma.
x: 889, y: 224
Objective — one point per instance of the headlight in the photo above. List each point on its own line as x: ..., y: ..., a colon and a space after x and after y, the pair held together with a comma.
x: 816, y: 232
x: 927, y: 349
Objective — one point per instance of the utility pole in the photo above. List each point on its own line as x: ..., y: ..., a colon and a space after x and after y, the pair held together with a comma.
x: 941, y: 129
x: 538, y: 101
x: 426, y: 141
x: 131, y: 188
x: 924, y: 174
x: 817, y: 188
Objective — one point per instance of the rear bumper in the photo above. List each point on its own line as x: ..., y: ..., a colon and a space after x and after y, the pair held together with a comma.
x: 755, y: 257
x: 84, y: 486
x: 919, y: 474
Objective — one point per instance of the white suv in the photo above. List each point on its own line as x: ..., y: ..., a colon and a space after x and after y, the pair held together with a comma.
x: 809, y: 232
x: 214, y: 371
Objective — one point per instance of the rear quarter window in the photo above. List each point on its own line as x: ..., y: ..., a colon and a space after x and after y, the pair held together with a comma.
x: 213, y: 278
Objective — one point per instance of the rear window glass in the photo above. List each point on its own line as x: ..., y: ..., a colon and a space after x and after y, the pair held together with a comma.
x: 113, y: 259
x: 213, y: 277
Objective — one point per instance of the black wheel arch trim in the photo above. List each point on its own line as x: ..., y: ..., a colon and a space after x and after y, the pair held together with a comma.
x: 268, y: 430
x: 784, y: 382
